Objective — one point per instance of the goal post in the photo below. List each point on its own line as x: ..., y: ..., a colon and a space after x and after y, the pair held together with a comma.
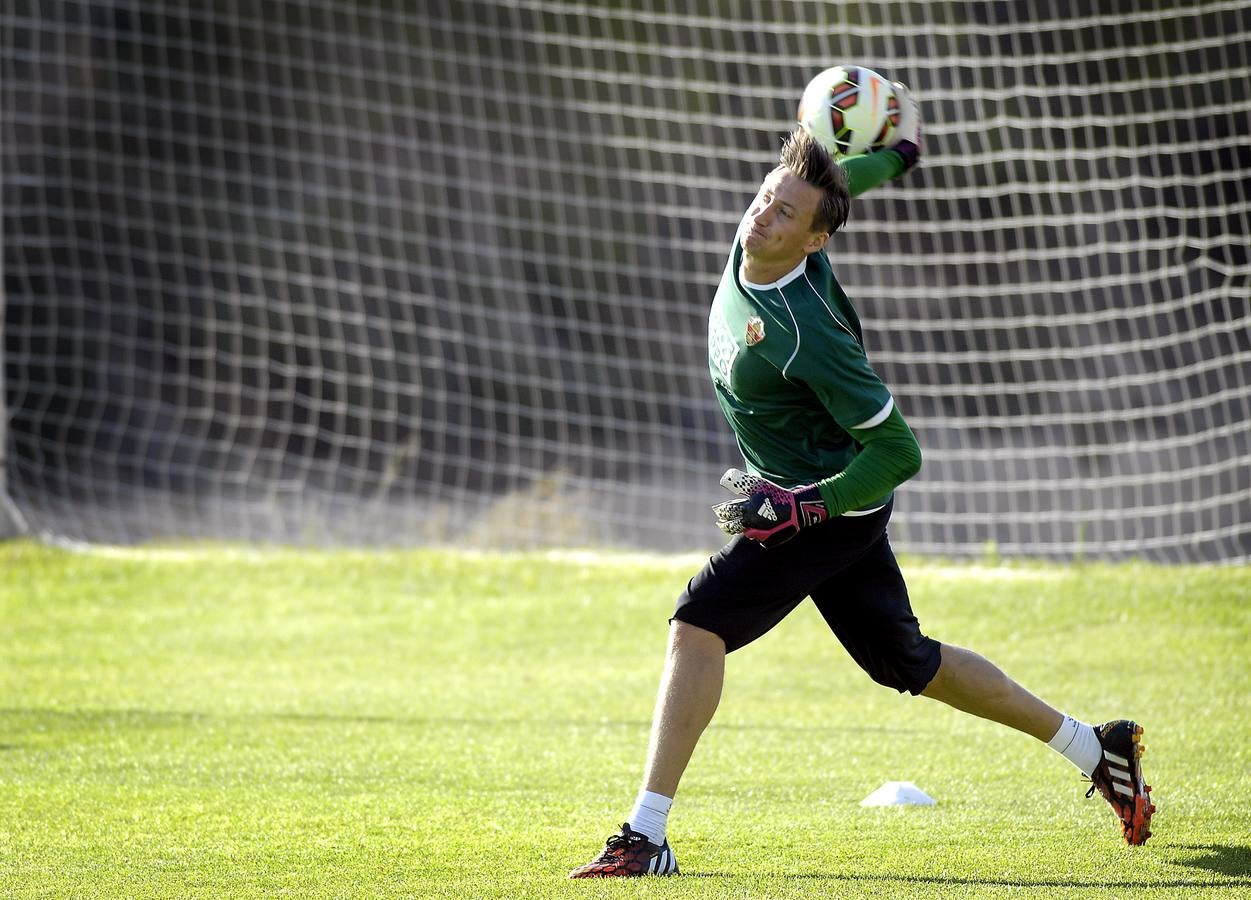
x: 321, y: 271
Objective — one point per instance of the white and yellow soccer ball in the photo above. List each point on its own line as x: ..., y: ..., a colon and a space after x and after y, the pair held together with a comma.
x: 850, y: 110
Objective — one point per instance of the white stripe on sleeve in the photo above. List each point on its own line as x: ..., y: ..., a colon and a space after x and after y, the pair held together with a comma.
x: 882, y: 415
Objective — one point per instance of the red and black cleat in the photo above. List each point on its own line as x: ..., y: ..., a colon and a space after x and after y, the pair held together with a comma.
x: 627, y: 855
x: 1118, y: 777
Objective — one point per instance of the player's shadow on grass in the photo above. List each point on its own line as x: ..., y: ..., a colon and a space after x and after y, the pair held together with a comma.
x: 1233, y: 861
x: 1225, y: 859
x: 991, y: 881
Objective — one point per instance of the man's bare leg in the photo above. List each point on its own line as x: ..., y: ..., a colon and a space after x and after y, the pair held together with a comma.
x: 973, y: 684
x: 690, y: 690
x: 1109, y: 756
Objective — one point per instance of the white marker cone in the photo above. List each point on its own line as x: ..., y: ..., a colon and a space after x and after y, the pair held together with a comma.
x: 898, y: 793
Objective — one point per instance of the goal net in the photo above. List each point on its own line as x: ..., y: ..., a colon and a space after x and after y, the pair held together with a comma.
x: 397, y: 272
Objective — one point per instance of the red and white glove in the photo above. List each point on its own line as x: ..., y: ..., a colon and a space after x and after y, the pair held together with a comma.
x: 907, y: 138
x: 766, y: 512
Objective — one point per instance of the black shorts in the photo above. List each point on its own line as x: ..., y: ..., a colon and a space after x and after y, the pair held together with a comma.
x: 848, y: 568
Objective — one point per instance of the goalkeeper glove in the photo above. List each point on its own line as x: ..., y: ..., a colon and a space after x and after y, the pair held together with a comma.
x: 907, y: 139
x: 766, y: 512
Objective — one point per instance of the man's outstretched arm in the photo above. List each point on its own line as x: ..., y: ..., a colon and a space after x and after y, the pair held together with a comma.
x: 868, y: 170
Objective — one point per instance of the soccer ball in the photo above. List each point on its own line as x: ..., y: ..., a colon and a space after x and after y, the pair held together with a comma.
x: 850, y: 110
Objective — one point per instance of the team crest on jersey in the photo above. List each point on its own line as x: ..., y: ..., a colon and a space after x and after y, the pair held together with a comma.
x: 755, y: 331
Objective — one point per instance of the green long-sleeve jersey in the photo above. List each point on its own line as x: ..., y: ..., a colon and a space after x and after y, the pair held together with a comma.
x: 788, y: 364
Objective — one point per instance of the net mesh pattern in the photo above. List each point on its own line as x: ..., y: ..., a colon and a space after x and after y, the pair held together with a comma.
x: 395, y: 273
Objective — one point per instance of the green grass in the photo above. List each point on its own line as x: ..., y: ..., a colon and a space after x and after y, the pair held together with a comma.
x: 221, y: 723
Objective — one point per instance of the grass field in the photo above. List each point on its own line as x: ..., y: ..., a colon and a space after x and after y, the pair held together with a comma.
x: 224, y: 723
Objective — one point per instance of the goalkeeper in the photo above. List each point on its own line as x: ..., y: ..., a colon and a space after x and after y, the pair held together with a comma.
x: 826, y: 446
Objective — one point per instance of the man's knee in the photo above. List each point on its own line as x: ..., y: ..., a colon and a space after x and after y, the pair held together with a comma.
x: 964, y: 672
x: 909, y: 670
x: 687, y: 638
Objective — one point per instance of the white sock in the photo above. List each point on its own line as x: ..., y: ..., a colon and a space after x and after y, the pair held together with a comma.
x: 1077, y: 742
x: 650, y: 813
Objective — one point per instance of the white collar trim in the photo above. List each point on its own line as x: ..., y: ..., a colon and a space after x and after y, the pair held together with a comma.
x: 780, y: 283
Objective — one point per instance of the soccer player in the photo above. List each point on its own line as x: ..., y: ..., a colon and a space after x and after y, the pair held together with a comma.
x: 826, y: 446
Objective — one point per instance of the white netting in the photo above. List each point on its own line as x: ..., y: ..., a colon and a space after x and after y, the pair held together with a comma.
x: 318, y: 270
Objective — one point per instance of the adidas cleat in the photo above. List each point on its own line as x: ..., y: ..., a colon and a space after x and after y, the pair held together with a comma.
x: 629, y: 854
x: 1118, y: 777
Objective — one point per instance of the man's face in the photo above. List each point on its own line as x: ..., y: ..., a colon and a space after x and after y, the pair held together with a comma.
x: 779, y: 220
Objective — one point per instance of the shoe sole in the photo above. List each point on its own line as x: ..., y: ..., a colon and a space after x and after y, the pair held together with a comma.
x: 578, y: 873
x: 1136, y: 822
x: 660, y: 865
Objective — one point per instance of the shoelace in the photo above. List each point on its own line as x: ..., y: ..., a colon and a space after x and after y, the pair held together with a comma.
x: 1094, y: 784
x: 1094, y: 787
x: 622, y: 841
